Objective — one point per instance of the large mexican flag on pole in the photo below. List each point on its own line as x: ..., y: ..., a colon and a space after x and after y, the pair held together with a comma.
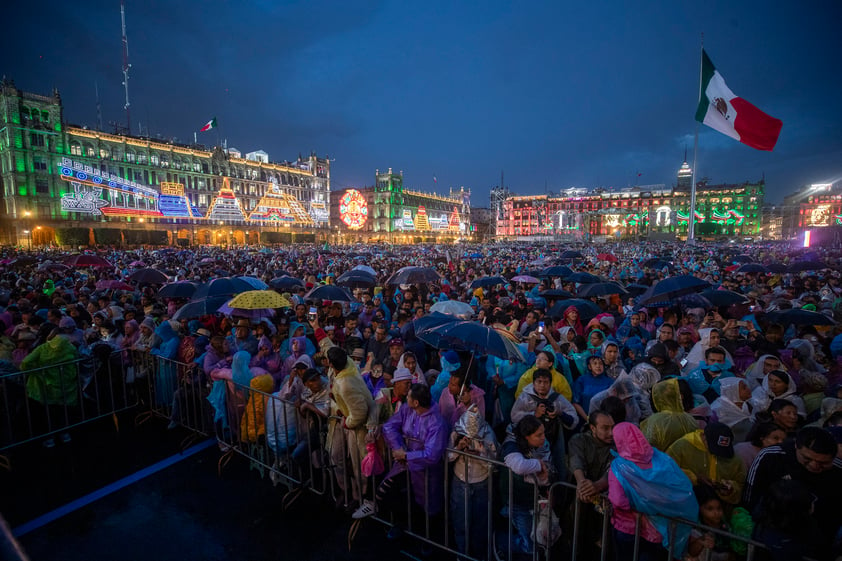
x: 209, y: 125
x: 720, y: 109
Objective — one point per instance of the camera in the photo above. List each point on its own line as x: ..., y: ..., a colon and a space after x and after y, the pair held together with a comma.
x: 550, y: 408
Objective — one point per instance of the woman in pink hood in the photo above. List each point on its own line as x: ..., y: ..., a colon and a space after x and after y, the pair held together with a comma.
x: 571, y: 319
x: 647, y: 481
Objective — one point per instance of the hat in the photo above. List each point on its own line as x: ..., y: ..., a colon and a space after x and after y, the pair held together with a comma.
x: 301, y: 363
x: 329, y: 327
x: 720, y: 440
x: 396, y: 342
x: 451, y: 357
x: 401, y: 374
x: 244, y: 323
x: 67, y: 323
x: 203, y: 332
x: 148, y: 322
x: 358, y: 352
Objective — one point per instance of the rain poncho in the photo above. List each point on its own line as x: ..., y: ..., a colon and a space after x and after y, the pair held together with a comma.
x: 691, y: 453
x: 51, y: 384
x: 706, y: 380
x: 725, y: 407
x: 645, y: 376
x: 559, y: 383
x: 166, y: 375
x: 282, y: 417
x: 670, y: 422
x: 636, y: 401
x: 696, y: 356
x: 443, y: 378
x: 418, y: 374
x: 483, y: 444
x: 762, y: 397
x: 754, y: 374
x: 253, y: 424
x: 648, y: 481
x: 587, y: 386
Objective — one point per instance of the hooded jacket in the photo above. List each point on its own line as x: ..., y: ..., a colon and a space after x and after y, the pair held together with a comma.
x: 51, y: 384
x: 253, y: 424
x: 691, y: 453
x: 762, y: 397
x: 727, y: 411
x: 670, y: 422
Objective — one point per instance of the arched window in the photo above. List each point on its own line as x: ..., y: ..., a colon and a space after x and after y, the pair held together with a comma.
x: 25, y: 114
x: 131, y: 156
x: 75, y: 149
x: 89, y: 150
x: 104, y: 153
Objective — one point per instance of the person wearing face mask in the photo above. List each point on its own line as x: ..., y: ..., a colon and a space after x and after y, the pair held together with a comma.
x: 705, y: 380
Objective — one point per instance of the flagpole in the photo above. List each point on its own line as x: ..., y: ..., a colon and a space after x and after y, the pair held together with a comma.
x: 691, y: 220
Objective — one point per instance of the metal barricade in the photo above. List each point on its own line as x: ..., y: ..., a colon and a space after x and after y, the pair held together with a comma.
x: 44, y: 402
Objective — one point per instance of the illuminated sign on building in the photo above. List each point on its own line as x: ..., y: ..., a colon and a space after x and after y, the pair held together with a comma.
x: 318, y: 211
x: 226, y: 205
x: 277, y: 206
x: 819, y: 216
x: 662, y: 216
x: 96, y: 193
x: 422, y: 222
x: 408, y: 223
x: 84, y: 200
x: 353, y: 209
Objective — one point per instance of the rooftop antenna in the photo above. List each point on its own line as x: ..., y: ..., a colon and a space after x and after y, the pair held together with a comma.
x: 126, y: 65
x: 98, y: 108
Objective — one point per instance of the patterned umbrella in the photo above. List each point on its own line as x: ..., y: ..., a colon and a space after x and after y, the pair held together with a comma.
x: 259, y: 300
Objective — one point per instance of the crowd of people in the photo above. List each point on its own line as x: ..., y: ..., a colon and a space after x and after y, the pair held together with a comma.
x: 678, y: 407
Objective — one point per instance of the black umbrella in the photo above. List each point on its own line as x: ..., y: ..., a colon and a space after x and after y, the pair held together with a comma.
x: 587, y: 309
x: 672, y: 287
x: 742, y: 259
x: 557, y: 293
x: 601, y: 289
x: 356, y: 279
x: 471, y: 336
x: 414, y: 275
x: 286, y: 283
x: 636, y: 289
x: 556, y: 271
x: 226, y: 286
x: 583, y: 278
x: 800, y: 266
x: 148, y: 276
x: 723, y: 297
x: 571, y: 254
x: 181, y: 289
x: 799, y: 317
x: 328, y: 292
x: 655, y: 262
x: 488, y: 281
x: 752, y: 268
x: 200, y: 307
x: 777, y: 268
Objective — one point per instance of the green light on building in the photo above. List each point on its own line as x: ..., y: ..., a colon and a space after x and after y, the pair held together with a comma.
x: 20, y: 163
x: 19, y: 139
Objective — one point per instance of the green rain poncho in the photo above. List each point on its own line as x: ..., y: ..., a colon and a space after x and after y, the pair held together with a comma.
x: 670, y: 422
x: 48, y: 383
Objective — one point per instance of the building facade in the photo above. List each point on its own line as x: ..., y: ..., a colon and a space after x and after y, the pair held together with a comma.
x: 815, y: 207
x: 55, y: 176
x: 644, y: 211
x: 389, y: 212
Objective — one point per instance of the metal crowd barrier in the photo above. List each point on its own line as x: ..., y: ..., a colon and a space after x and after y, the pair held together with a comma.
x: 44, y: 402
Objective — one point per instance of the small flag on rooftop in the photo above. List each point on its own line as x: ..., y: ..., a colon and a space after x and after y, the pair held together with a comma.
x: 210, y: 125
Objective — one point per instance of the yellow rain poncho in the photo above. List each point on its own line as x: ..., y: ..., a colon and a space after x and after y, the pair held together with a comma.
x: 670, y: 422
x: 253, y: 425
x: 47, y: 382
x: 727, y: 474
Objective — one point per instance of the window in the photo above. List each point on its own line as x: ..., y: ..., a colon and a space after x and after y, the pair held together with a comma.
x: 154, y: 159
x: 142, y: 158
x: 203, y: 200
x: 89, y: 150
x: 42, y: 187
x: 40, y: 164
x: 45, y: 116
x: 75, y: 149
x: 104, y: 153
x: 131, y: 156
x: 197, y: 166
x: 36, y: 139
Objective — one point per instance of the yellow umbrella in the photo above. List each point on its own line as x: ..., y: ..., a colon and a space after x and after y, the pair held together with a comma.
x: 258, y: 300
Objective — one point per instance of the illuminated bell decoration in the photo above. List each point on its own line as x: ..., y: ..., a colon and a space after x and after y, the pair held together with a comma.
x: 353, y: 209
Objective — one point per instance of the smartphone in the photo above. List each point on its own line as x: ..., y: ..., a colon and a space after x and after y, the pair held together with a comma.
x: 683, y: 362
x: 313, y: 313
x: 540, y: 327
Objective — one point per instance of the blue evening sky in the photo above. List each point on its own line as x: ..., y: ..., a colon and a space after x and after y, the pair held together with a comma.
x: 557, y: 94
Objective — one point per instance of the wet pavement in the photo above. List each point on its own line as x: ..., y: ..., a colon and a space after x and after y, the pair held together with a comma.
x: 185, y: 511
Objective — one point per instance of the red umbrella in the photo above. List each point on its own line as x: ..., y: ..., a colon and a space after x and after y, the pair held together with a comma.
x: 607, y: 257
x: 86, y: 260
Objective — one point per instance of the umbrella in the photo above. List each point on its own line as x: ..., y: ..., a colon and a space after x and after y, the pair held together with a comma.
x: 200, y: 307
x: 583, y: 278
x: 723, y: 297
x: 587, y: 309
x: 148, y: 276
x: 471, y: 336
x: 431, y: 320
x: 488, y: 281
x: 86, y: 260
x: 571, y: 254
x: 672, y: 287
x: 636, y: 289
x: 51, y: 266
x: 137, y: 264
x: 225, y: 286
x: 365, y: 269
x: 601, y: 289
x: 752, y: 268
x: 328, y: 292
x: 610, y: 257
x: 112, y: 284
x: 255, y: 282
x: 526, y: 279
x: 687, y: 301
x: 180, y: 289
x: 742, y: 259
x: 799, y: 317
x: 259, y: 299
x: 556, y: 293
x: 286, y: 283
x: 256, y: 314
x: 777, y: 268
x: 556, y: 271
x: 656, y: 263
x: 414, y: 275
x: 356, y: 279
x: 800, y: 266
x: 453, y: 308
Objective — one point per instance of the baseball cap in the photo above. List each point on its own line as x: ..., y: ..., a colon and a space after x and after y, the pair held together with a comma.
x: 396, y: 342
x: 401, y: 374
x: 720, y: 440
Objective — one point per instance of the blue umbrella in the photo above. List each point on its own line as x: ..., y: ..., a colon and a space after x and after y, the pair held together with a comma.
x: 431, y: 320
x: 601, y: 289
x: 286, y: 283
x: 488, y: 281
x: 255, y: 283
x: 471, y: 336
x: 200, y: 307
x: 356, y: 279
x: 587, y: 309
x: 181, y: 289
x: 328, y: 292
x: 636, y: 289
x: 556, y: 271
x: 752, y: 268
x: 742, y: 259
x: 226, y: 286
x: 672, y: 287
x: 583, y: 278
x: 686, y: 301
x: 149, y: 276
x: 453, y: 308
x: 723, y: 297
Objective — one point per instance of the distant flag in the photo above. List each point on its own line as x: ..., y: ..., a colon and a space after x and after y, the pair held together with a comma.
x: 435, y: 180
x: 731, y: 115
x: 639, y: 174
x: 209, y: 125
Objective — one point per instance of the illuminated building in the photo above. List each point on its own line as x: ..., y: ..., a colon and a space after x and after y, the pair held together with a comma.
x: 389, y: 212
x: 56, y: 176
x: 815, y: 207
x: 651, y: 211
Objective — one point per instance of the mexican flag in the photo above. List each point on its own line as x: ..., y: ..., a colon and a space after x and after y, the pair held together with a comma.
x: 210, y: 125
x: 721, y: 110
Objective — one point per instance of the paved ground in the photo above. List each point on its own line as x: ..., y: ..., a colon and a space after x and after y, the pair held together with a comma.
x: 182, y: 512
